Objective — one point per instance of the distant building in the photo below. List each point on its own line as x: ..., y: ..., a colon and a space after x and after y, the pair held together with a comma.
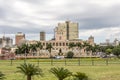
x: 66, y: 31
x: 116, y: 42
x: 42, y: 36
x: 6, y: 42
x: 91, y: 40
x: 19, y: 38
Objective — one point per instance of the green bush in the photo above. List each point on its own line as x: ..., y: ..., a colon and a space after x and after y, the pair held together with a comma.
x: 80, y: 76
x: 70, y: 54
x: 2, y: 76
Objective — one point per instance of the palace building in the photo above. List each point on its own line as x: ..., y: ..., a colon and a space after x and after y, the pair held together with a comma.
x: 64, y: 34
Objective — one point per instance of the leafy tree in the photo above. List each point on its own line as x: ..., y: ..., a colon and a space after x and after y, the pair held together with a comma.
x: 102, y: 49
x: 80, y: 76
x: 2, y: 76
x: 116, y: 51
x: 95, y: 49
x: 60, y: 73
x: 70, y: 54
x: 29, y: 70
x: 108, y: 51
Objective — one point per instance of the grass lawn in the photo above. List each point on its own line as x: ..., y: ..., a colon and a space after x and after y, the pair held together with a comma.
x: 100, y: 71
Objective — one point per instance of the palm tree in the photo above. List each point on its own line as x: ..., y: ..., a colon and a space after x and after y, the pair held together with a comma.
x: 60, y: 73
x: 33, y: 48
x: 2, y: 76
x: 29, y: 70
x: 86, y: 46
x: 79, y: 45
x: 25, y: 50
x: 49, y: 48
x: 71, y: 45
x: 40, y: 47
x: 89, y: 48
x: 18, y: 50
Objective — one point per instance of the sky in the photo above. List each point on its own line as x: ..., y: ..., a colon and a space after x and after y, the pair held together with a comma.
x: 99, y: 18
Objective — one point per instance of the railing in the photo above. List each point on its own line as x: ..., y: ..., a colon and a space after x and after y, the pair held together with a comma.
x: 65, y: 62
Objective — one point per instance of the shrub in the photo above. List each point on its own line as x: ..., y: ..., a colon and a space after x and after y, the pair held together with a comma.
x: 80, y: 76
x: 2, y: 76
x: 70, y: 54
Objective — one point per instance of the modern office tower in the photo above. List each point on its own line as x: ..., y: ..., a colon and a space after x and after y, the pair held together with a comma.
x: 42, y: 36
x: 19, y: 37
x: 66, y: 31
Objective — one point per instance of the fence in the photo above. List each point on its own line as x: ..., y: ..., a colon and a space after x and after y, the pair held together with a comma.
x: 64, y: 62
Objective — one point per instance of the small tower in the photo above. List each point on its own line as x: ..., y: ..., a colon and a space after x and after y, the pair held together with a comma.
x: 42, y: 36
x: 116, y: 42
x: 91, y: 40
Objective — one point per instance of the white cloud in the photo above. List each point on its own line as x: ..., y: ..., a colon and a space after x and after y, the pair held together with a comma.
x: 31, y: 16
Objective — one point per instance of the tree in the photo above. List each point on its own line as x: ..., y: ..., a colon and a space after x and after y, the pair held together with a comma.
x: 95, y: 49
x: 32, y: 48
x: 108, y: 51
x: 86, y: 46
x: 88, y: 49
x: 70, y: 54
x: 39, y: 47
x: 18, y: 50
x: 49, y: 48
x: 116, y: 51
x: 29, y: 70
x: 25, y: 49
x: 2, y: 76
x: 60, y: 73
x: 80, y: 76
x: 71, y: 45
x: 80, y: 46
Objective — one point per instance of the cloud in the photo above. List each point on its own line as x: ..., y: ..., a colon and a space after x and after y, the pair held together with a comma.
x: 33, y: 16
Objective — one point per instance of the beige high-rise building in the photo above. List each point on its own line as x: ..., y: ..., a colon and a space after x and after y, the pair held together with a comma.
x: 66, y: 31
x: 42, y: 36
